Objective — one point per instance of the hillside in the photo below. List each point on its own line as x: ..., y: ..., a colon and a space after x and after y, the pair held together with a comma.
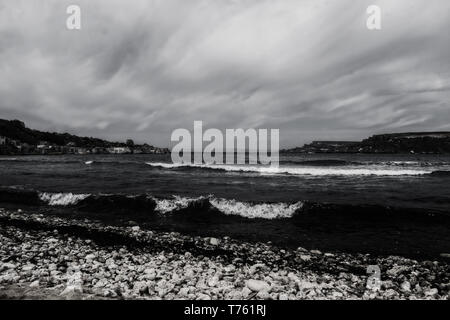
x: 16, y: 130
x: 417, y: 142
x: 408, y: 142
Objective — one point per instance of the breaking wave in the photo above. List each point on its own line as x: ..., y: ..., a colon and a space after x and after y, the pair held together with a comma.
x: 229, y: 207
x: 251, y: 211
x: 171, y: 205
x: 149, y: 204
x: 62, y: 199
x: 209, y: 207
x: 304, y: 171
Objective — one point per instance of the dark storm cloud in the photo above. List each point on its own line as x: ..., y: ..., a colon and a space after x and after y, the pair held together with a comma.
x: 143, y: 68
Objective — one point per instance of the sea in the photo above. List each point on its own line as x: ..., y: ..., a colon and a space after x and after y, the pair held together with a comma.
x: 381, y: 204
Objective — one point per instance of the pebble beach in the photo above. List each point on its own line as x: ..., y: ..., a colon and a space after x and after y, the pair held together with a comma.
x: 43, y: 257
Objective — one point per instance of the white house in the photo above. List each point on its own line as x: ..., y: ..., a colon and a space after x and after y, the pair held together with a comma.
x: 119, y: 150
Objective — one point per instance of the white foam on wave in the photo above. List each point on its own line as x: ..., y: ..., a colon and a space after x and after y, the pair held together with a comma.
x: 403, y: 162
x: 252, y: 211
x: 356, y: 172
x: 62, y: 199
x: 233, y: 207
x: 169, y: 165
x: 168, y: 205
x: 306, y: 171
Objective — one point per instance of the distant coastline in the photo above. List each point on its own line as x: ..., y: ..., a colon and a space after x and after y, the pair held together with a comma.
x: 17, y: 139
x: 408, y: 142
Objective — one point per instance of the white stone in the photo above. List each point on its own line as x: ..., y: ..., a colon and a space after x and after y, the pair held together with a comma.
x: 149, y: 271
x: 246, y: 292
x: 28, y: 267
x: 305, y: 285
x: 7, y: 266
x: 406, y: 286
x: 183, y: 292
x: 305, y: 257
x: 214, y: 241
x: 203, y: 296
x: 90, y: 257
x: 229, y: 269
x: 101, y: 283
x: 213, y: 281
x: 390, y: 293
x: 336, y: 294
x: 263, y: 295
x: 431, y: 292
x: 283, y: 296
x: 258, y: 285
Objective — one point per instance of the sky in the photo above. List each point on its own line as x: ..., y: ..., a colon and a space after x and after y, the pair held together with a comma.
x: 143, y: 68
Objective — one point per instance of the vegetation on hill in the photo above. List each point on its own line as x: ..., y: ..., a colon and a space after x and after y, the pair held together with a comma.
x: 409, y: 142
x: 16, y: 130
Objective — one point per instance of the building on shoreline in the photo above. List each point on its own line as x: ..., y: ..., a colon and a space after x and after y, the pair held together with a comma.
x: 16, y: 138
x: 13, y: 147
x: 119, y: 150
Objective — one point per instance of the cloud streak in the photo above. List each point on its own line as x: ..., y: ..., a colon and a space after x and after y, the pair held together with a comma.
x: 141, y: 69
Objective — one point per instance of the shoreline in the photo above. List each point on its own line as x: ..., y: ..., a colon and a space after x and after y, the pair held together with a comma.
x: 43, y: 257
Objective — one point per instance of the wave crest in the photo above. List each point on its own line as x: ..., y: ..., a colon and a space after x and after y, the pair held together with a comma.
x: 303, y: 171
x: 252, y: 211
x: 175, y: 204
x: 216, y: 209
x: 62, y: 199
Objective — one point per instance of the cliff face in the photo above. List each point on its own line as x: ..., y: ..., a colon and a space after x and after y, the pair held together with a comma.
x: 417, y: 142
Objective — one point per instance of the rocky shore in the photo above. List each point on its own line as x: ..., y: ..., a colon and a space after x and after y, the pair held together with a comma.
x: 48, y: 257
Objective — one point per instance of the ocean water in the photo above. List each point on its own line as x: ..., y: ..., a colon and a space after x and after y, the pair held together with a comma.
x: 384, y: 204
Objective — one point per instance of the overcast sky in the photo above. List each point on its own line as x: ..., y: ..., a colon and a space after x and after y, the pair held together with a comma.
x: 140, y: 69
